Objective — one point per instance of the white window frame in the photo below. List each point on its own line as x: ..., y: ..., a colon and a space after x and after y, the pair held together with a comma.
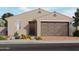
x: 18, y: 25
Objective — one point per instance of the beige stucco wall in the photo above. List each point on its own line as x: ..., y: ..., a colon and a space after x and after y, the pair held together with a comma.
x: 12, y: 27
x: 71, y: 29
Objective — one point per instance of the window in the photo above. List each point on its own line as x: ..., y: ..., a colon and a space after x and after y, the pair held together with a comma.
x: 18, y: 25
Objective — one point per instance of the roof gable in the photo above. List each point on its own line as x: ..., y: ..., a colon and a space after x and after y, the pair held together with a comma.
x: 31, y: 14
x: 55, y: 16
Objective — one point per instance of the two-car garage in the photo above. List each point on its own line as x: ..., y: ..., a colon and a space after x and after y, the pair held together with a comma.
x: 55, y: 28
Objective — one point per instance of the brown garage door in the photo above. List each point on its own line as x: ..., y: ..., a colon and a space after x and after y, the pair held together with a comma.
x: 54, y: 28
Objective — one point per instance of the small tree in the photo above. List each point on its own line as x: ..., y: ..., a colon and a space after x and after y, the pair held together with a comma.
x: 76, y: 23
x: 5, y: 16
x: 76, y: 19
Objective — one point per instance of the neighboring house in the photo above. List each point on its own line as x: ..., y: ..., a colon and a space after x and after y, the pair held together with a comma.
x: 41, y: 23
x: 3, y: 29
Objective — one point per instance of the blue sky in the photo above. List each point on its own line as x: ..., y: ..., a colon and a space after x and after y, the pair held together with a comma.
x: 69, y: 11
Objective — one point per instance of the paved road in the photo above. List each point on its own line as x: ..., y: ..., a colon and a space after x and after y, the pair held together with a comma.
x: 23, y: 45
x: 40, y: 47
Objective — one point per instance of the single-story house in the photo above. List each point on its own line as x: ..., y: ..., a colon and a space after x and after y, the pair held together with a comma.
x: 41, y: 23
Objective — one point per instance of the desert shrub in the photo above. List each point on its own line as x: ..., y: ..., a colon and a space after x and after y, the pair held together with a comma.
x: 76, y: 33
x: 38, y: 38
x: 2, y: 37
x: 23, y: 36
x: 16, y: 35
x: 28, y: 37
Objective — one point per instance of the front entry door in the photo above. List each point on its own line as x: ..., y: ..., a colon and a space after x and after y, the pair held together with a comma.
x: 32, y: 28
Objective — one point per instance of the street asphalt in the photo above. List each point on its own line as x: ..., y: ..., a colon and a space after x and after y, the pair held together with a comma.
x: 40, y: 45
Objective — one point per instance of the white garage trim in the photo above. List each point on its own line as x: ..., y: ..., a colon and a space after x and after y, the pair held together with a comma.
x: 57, y: 20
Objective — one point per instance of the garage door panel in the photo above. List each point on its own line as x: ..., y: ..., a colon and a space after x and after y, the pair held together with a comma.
x: 51, y: 28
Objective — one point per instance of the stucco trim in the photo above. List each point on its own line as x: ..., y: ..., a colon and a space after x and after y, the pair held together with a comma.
x: 54, y: 20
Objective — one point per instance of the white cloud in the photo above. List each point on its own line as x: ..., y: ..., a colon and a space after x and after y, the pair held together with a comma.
x: 24, y: 9
x: 69, y: 12
x: 51, y: 9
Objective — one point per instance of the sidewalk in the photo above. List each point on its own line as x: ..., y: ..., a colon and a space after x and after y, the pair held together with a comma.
x: 36, y: 41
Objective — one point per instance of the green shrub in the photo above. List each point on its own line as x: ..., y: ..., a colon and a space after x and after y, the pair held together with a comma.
x: 3, y: 37
x: 16, y: 35
x: 38, y: 38
x: 28, y: 37
x: 76, y: 33
x: 23, y: 36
